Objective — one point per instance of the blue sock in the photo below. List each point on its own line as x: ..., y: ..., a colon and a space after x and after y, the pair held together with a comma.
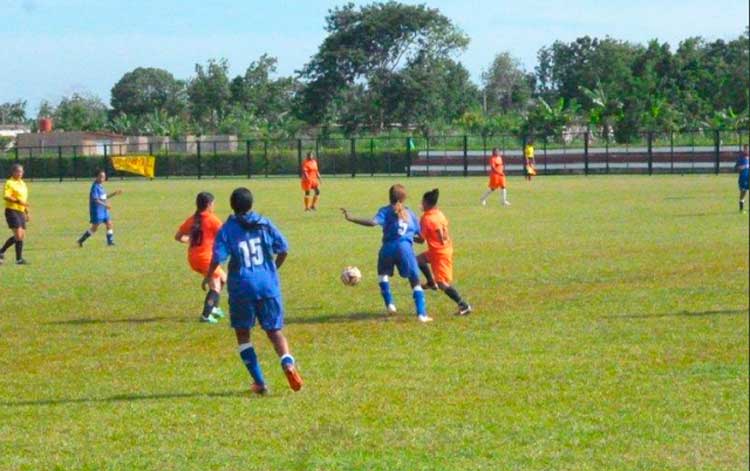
x: 385, y: 291
x: 250, y: 359
x: 287, y: 360
x: 110, y: 237
x: 419, y: 301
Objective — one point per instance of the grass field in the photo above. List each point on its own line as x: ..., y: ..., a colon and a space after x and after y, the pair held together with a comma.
x: 610, y: 332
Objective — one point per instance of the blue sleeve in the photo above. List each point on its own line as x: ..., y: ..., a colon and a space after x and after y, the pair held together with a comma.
x: 415, y: 221
x: 381, y: 216
x: 221, y: 249
x: 278, y: 241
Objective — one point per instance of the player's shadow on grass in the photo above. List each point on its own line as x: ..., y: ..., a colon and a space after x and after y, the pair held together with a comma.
x: 719, y: 312
x: 335, y: 318
x: 123, y: 398
x: 132, y: 320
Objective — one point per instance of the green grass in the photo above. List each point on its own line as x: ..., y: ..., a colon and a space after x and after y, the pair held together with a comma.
x: 610, y: 332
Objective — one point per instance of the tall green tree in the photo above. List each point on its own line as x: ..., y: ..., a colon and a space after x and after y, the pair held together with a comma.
x: 370, y: 41
x: 505, y: 85
x: 209, y: 94
x: 13, y: 112
x: 148, y: 90
x: 261, y: 95
x: 80, y: 112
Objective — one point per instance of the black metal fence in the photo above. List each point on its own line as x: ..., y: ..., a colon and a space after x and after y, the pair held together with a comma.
x: 700, y: 151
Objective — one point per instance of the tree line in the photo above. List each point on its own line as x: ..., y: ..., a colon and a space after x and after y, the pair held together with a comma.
x: 394, y: 68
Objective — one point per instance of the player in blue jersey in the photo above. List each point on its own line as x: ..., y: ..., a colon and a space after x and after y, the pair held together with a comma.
x: 256, y: 250
x: 400, y: 226
x: 743, y: 168
x: 99, y: 209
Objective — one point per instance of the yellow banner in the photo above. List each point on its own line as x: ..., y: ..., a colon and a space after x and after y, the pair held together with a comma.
x: 138, y: 164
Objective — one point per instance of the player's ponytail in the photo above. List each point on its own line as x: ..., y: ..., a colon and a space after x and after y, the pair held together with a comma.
x: 202, y: 201
x: 397, y: 196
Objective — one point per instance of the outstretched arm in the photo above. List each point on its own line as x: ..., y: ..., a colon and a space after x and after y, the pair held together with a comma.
x: 360, y: 221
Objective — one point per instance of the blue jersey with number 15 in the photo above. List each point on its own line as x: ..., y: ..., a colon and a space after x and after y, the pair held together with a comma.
x: 250, y: 242
x: 395, y: 229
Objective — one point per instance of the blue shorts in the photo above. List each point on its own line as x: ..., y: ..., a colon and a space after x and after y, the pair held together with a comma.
x: 268, y: 311
x: 402, y: 256
x: 99, y: 218
x: 744, y: 183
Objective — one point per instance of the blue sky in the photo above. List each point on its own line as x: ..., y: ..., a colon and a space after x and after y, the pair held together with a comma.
x: 50, y: 48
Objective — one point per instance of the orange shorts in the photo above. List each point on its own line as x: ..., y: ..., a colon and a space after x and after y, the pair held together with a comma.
x: 442, y: 267
x: 201, y: 265
x: 496, y: 181
x: 308, y: 185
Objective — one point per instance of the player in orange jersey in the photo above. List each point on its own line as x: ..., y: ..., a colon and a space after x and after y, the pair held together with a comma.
x: 199, y: 230
x: 497, y: 178
x: 439, y: 254
x: 310, y: 182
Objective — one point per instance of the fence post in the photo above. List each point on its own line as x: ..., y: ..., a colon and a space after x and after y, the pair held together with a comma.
x: 75, y: 163
x: 354, y: 157
x: 59, y: 164
x: 717, y: 151
x: 200, y: 168
x: 372, y: 157
x: 215, y: 160
x: 586, y: 153
x: 671, y: 151
x: 15, y: 151
x: 248, y: 159
x: 299, y: 157
x: 466, y: 155
x: 408, y: 156
x: 104, y: 166
x: 265, y: 157
x: 650, y: 141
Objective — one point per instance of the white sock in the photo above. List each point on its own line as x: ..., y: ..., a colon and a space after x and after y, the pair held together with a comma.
x: 505, y: 195
x: 486, y: 195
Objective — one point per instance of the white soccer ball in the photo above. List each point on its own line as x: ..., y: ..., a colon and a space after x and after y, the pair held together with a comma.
x: 351, y: 276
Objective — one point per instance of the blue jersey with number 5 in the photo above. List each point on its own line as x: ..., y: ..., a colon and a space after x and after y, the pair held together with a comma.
x: 395, y: 229
x: 250, y: 242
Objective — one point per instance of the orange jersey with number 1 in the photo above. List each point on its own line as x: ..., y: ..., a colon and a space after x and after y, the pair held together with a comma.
x: 309, y: 174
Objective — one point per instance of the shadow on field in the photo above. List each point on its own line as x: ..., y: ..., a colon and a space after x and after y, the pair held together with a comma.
x: 336, y: 318
x: 123, y: 398
x: 134, y: 320
x: 721, y: 312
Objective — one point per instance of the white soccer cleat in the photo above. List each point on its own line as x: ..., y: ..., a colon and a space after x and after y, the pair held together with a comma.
x: 483, y: 202
x: 425, y: 318
x: 391, y: 309
x: 506, y: 203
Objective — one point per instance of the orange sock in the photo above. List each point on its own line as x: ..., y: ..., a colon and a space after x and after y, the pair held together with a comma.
x: 314, y: 202
x: 307, y: 202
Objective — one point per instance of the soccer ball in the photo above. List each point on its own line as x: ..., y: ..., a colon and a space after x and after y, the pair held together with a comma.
x: 351, y: 276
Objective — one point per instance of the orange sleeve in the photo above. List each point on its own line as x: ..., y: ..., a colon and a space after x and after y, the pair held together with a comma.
x: 186, y: 226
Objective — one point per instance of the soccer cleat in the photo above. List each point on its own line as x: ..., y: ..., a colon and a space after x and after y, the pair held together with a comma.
x: 22, y: 262
x: 2, y: 258
x: 425, y: 318
x: 217, y: 312
x: 506, y: 203
x: 431, y: 286
x: 292, y: 375
x: 483, y: 202
x: 391, y: 309
x: 259, y: 389
x: 464, y: 310
x: 209, y: 320
x: 80, y: 243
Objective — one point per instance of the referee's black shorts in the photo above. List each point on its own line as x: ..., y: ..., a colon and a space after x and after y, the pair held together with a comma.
x: 15, y: 219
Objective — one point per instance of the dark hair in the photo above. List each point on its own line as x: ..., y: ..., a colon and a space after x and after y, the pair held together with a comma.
x: 242, y: 202
x: 15, y: 167
x: 397, y: 196
x: 431, y: 197
x: 98, y: 171
x: 495, y: 151
x: 309, y: 155
x: 202, y: 201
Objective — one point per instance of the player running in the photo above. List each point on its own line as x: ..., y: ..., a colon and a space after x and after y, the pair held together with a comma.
x: 16, y: 195
x: 199, y: 230
x: 99, y: 209
x: 497, y: 178
x: 250, y: 241
x: 310, y: 182
x: 439, y: 255
x: 743, y: 168
x: 400, y: 226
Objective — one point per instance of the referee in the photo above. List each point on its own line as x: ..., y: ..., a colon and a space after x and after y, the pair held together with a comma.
x: 16, y: 212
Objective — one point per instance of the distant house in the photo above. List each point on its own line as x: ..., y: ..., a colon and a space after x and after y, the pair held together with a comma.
x: 13, y: 130
x: 85, y: 143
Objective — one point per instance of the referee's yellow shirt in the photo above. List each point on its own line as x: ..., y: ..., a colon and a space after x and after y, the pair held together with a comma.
x: 528, y: 152
x: 16, y: 190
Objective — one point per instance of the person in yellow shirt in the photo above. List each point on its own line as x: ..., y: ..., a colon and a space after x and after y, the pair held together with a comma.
x: 16, y: 195
x: 528, y: 154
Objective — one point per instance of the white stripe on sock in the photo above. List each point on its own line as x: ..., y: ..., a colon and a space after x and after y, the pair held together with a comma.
x: 242, y: 347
